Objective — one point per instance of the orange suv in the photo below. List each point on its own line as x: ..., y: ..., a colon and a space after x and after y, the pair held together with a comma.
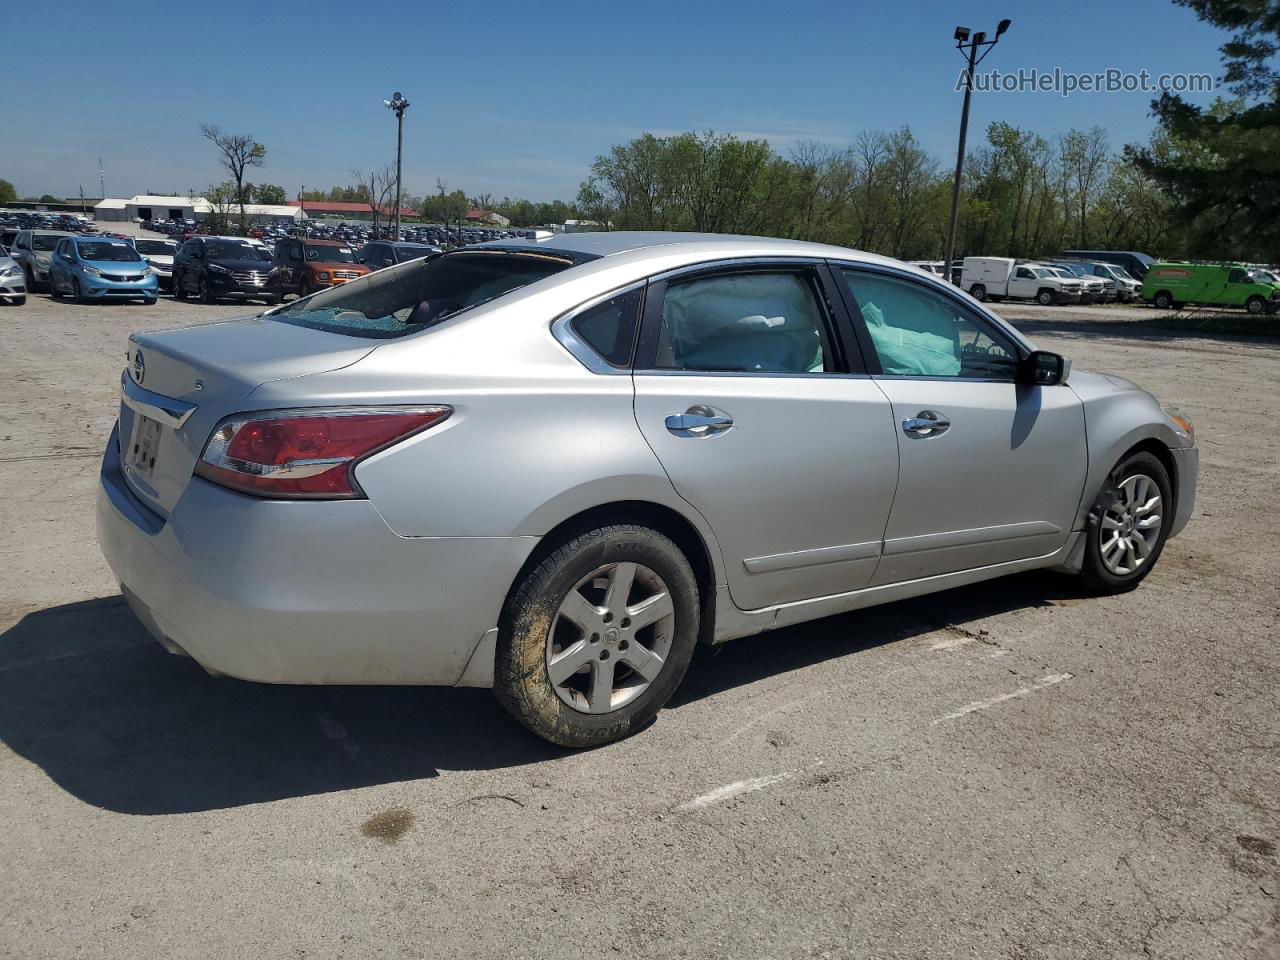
x: 305, y: 266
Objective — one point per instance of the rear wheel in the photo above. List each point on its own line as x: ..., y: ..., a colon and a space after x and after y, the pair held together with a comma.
x: 1128, y: 525
x: 1163, y: 300
x: 978, y: 292
x: 597, y: 637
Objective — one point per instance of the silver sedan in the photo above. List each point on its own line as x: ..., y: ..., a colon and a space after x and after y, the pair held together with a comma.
x: 555, y: 466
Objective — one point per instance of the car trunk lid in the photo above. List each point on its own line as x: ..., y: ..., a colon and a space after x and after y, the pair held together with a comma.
x: 178, y: 384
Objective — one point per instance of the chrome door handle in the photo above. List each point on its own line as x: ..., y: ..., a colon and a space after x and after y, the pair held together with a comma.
x: 697, y: 423
x: 926, y: 423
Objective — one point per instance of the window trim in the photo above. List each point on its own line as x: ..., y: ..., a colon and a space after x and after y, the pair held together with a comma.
x: 1001, y: 330
x: 645, y: 354
x: 583, y: 352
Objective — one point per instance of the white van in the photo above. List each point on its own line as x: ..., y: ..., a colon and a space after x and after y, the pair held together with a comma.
x: 994, y: 278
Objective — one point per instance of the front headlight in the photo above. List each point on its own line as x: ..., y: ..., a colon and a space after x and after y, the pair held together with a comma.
x: 92, y: 271
x: 11, y: 273
x: 146, y: 271
x: 214, y: 268
x: 324, y: 275
x: 1184, y: 422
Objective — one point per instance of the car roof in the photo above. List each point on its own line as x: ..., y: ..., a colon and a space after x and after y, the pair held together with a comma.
x: 53, y: 233
x: 589, y: 246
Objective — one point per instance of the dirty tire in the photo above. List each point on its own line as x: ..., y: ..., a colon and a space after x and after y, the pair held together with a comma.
x: 1094, y: 574
x: 521, y: 680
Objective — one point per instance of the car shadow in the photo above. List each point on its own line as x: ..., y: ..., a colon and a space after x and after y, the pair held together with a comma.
x: 90, y: 698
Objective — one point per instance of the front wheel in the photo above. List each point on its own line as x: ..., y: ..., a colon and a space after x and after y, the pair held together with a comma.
x: 596, y: 638
x: 76, y: 293
x: 203, y: 293
x: 1045, y: 298
x: 179, y: 290
x: 1256, y: 306
x: 1163, y: 300
x: 1128, y: 525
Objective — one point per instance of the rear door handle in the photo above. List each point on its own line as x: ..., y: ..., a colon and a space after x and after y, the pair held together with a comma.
x: 926, y: 423
x: 697, y: 424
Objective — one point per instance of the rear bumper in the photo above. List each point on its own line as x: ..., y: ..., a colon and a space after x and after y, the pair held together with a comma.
x: 303, y: 592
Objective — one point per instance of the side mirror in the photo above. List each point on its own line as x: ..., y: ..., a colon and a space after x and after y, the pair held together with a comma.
x: 1041, y: 368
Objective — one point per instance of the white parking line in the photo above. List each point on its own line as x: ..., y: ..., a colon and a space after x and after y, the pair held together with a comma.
x: 953, y: 642
x: 739, y: 787
x: 1041, y: 684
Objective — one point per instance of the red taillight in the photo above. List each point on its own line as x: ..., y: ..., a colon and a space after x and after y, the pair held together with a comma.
x: 306, y: 453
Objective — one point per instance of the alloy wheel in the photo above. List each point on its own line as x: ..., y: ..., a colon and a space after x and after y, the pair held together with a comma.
x: 610, y: 638
x: 1131, y: 525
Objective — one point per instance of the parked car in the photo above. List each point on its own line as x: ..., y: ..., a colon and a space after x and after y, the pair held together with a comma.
x: 994, y: 278
x: 94, y: 269
x: 1092, y: 289
x: 33, y: 249
x: 217, y: 268
x: 536, y: 466
x: 1173, y: 285
x: 1127, y: 288
x: 159, y: 255
x: 13, y: 282
x: 303, y: 266
x: 381, y: 253
x: 1135, y: 262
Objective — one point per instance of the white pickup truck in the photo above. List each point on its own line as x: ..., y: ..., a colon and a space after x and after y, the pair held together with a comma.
x: 994, y: 278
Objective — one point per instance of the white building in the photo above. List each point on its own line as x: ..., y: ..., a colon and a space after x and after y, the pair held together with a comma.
x: 144, y: 207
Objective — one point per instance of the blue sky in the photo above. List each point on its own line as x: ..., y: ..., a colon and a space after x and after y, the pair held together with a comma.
x: 518, y: 98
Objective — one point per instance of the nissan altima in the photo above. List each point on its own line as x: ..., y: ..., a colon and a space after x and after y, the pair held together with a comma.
x: 555, y: 466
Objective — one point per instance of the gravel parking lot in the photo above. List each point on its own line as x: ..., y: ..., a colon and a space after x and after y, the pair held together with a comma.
x: 1011, y: 770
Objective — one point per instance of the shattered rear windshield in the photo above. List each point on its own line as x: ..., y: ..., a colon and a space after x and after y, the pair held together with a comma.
x: 418, y: 294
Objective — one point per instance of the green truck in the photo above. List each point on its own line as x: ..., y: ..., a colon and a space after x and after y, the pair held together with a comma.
x: 1172, y: 285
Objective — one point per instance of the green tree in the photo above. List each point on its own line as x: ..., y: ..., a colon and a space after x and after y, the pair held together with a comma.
x: 49, y: 198
x: 270, y: 193
x: 1221, y: 168
x: 7, y: 192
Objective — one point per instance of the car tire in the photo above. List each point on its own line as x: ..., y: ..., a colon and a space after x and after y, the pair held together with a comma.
x: 203, y: 293
x: 978, y: 292
x: 179, y: 291
x: 1045, y: 298
x: 19, y: 301
x: 1135, y: 492
x: 1163, y: 300
x: 76, y: 293
x: 541, y: 629
x: 271, y: 301
x: 54, y: 292
x: 1256, y: 306
x: 32, y: 285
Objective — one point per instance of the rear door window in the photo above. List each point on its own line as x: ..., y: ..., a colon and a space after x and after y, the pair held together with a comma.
x: 755, y: 322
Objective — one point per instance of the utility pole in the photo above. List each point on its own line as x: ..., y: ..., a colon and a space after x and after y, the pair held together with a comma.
x: 102, y: 180
x: 399, y: 104
x: 964, y: 43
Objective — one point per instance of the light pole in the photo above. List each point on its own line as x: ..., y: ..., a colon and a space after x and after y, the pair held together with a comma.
x: 962, y: 43
x: 399, y: 104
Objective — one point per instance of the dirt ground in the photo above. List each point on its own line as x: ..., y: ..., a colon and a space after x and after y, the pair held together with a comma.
x: 1005, y: 771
